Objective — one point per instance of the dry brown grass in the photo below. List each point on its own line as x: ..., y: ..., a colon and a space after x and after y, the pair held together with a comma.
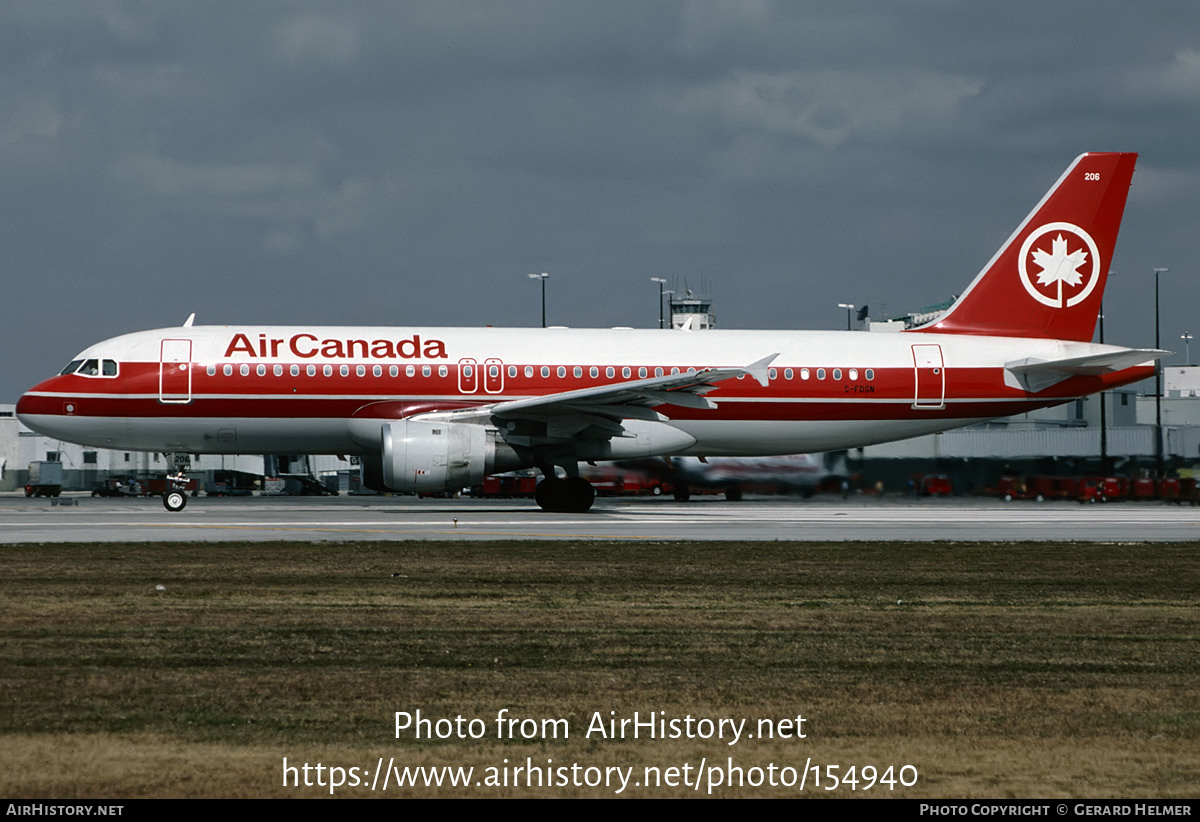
x: 995, y: 670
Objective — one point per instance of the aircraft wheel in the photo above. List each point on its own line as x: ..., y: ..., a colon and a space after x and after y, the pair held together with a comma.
x: 733, y: 493
x: 579, y: 494
x: 547, y: 493
x: 174, y: 500
x: 573, y: 495
x: 682, y: 494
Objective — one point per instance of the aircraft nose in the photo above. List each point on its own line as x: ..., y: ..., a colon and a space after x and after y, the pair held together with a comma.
x: 34, y: 409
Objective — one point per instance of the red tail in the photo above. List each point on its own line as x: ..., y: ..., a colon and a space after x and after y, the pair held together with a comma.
x: 1048, y: 279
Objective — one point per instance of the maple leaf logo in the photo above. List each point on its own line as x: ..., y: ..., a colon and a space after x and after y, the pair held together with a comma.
x: 1060, y: 266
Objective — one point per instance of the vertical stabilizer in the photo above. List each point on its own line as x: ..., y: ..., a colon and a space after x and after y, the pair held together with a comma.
x: 1048, y: 279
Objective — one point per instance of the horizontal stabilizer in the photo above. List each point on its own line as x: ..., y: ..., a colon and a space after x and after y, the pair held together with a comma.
x: 1037, y: 375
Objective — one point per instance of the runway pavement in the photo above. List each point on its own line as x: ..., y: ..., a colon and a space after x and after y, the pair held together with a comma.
x: 344, y: 518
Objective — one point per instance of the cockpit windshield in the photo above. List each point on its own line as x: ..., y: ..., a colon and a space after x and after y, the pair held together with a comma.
x: 91, y: 368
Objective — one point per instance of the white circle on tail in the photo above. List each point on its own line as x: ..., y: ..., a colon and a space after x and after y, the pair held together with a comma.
x: 1065, y: 259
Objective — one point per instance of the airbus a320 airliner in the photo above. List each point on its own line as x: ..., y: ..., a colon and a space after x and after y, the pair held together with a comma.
x: 435, y: 409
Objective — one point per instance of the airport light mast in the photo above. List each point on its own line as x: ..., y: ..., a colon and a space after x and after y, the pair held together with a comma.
x: 542, y: 277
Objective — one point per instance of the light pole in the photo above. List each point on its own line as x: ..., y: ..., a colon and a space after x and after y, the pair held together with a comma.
x: 1158, y: 432
x: 849, y: 307
x: 661, y: 282
x: 1104, y: 400
x: 542, y: 277
x: 1187, y: 338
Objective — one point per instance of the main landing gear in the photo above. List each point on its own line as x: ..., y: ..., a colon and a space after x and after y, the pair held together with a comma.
x: 570, y: 495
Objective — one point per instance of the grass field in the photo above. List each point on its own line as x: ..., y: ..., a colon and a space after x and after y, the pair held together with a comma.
x: 993, y: 670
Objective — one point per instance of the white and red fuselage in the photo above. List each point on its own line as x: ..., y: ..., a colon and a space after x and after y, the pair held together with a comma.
x: 248, y: 389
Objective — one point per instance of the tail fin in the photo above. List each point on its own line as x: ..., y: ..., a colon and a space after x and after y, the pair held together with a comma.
x: 1048, y: 279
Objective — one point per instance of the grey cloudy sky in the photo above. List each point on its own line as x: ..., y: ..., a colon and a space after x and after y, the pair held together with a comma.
x: 404, y: 163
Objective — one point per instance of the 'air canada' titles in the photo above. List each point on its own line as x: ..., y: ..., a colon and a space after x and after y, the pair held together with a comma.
x: 307, y: 346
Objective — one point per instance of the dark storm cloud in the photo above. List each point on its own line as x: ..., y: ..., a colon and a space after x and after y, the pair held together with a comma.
x: 411, y: 162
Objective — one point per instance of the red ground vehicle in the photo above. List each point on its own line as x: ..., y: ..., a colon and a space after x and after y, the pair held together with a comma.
x: 1102, y: 489
x: 932, y: 485
x: 507, y: 485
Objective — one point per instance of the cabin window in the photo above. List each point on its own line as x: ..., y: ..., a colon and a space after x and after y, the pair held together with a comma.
x: 442, y: 371
x: 278, y: 370
x: 327, y: 371
x: 393, y: 371
x: 227, y: 370
x: 211, y: 370
x: 529, y: 371
x: 578, y: 372
x: 593, y: 372
x: 626, y: 372
x: 311, y: 371
x: 377, y: 371
x: 610, y: 372
x: 244, y: 370
x: 772, y: 373
x: 344, y: 371
x: 294, y: 370
x: 820, y: 373
x: 512, y: 371
x: 410, y: 371
x: 426, y: 370
x: 493, y: 371
x: 468, y: 371
x: 642, y: 371
x: 360, y: 371
x: 870, y: 374
x: 562, y: 371
x: 545, y: 371
x: 837, y: 373
x: 261, y: 370
x: 658, y: 372
x: 854, y: 373
x: 788, y: 373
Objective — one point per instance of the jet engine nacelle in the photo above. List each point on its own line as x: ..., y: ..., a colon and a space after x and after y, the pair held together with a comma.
x: 441, y: 456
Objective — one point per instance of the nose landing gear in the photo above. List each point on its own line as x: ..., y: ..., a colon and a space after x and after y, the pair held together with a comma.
x: 175, y: 497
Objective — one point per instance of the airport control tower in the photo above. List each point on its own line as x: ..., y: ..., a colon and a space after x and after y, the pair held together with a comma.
x: 692, y: 311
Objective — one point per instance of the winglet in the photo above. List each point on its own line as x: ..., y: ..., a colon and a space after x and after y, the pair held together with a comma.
x: 759, y: 369
x: 191, y: 318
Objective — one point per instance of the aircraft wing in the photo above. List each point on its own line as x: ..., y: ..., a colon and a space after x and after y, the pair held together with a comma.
x: 1038, y: 375
x: 597, y: 412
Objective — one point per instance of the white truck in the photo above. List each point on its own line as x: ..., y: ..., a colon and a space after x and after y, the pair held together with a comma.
x: 45, y: 479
